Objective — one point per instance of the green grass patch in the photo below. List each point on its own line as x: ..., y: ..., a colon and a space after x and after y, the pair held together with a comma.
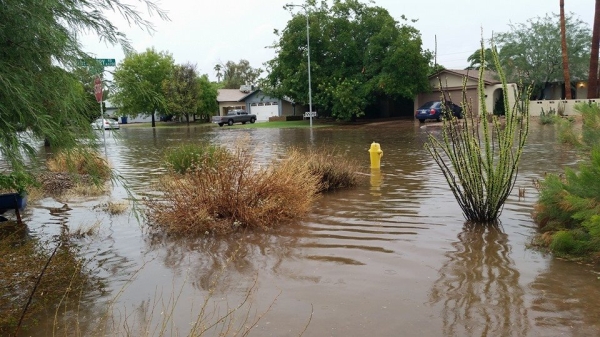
x: 258, y: 125
x: 189, y: 157
x: 280, y: 125
x: 167, y: 124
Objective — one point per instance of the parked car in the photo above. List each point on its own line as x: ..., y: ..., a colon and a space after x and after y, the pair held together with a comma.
x: 234, y: 116
x: 434, y: 110
x: 106, y: 123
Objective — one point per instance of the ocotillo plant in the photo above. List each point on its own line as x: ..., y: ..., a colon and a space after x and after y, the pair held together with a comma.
x: 480, y: 159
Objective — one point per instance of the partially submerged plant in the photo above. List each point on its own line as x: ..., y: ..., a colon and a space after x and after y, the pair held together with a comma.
x: 193, y: 157
x: 76, y: 172
x: 479, y: 161
x: 81, y: 161
x: 234, y: 194
x: 333, y: 170
x: 38, y: 277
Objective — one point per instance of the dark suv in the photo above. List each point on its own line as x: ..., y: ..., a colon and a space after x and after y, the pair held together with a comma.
x: 433, y: 110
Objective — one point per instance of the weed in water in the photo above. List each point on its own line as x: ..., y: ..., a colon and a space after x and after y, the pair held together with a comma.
x: 233, y: 194
x: 333, y: 169
x: 36, y: 276
x: 82, y: 162
x: 189, y: 157
x: 113, y: 208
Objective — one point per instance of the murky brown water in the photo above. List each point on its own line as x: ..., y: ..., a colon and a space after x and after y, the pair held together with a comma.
x: 392, y: 257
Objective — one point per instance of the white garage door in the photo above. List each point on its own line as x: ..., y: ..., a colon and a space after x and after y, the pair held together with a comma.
x: 264, y: 111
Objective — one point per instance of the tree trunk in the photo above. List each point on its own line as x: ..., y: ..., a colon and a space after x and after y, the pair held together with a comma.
x: 593, y: 72
x: 565, y: 57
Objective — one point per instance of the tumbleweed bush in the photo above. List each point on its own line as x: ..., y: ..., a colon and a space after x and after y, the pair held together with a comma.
x: 234, y: 193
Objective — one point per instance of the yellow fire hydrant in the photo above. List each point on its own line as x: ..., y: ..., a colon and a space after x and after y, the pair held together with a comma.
x: 376, y: 155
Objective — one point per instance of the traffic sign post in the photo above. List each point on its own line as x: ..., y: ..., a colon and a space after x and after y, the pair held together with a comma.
x: 98, y: 94
x: 97, y: 67
x: 98, y: 89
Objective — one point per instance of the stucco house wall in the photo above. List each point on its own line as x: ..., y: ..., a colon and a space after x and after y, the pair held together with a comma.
x: 453, y: 83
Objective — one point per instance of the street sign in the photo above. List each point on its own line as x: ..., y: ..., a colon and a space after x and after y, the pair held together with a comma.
x: 98, y: 89
x: 102, y: 62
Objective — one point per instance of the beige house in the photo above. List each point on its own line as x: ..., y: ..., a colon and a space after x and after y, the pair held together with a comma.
x: 453, y: 82
x: 230, y: 99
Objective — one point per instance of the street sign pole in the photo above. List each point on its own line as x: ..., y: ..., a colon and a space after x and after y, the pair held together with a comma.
x: 97, y: 65
x: 98, y: 94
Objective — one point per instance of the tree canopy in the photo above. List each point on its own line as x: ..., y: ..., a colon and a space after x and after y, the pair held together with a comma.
x: 237, y: 74
x: 181, y: 91
x: 358, y: 53
x: 532, y: 51
x: 207, y: 98
x: 138, y: 81
x: 38, y: 49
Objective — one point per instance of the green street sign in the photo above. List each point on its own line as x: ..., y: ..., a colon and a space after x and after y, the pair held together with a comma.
x: 102, y: 62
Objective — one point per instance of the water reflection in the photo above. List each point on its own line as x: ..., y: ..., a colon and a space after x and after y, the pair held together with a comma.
x: 375, y: 181
x: 210, y: 261
x: 479, y: 286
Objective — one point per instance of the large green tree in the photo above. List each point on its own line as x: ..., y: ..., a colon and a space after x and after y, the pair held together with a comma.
x: 138, y: 81
x: 532, y: 51
x: 181, y: 91
x: 359, y: 53
x: 38, y: 48
x: 207, y: 97
x: 238, y: 74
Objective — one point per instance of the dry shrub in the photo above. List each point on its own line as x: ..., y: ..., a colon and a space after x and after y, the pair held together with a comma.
x: 59, y: 184
x: 235, y: 194
x: 81, y: 162
x: 333, y: 169
x: 79, y: 173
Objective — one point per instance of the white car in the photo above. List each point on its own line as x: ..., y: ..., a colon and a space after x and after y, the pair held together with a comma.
x: 109, y: 124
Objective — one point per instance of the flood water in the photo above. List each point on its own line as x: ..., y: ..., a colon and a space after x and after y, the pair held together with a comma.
x: 391, y: 257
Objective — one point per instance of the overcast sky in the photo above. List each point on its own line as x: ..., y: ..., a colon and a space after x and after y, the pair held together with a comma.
x: 207, y: 32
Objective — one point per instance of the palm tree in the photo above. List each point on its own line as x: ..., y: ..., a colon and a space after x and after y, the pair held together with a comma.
x: 475, y: 60
x: 565, y: 58
x: 593, y: 73
x: 218, y: 68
